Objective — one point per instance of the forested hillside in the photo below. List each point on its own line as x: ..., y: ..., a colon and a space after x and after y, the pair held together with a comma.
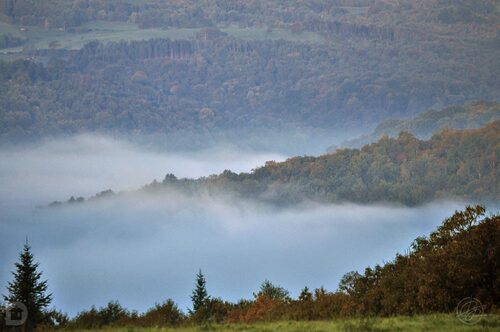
x: 473, y: 115
x: 450, y: 165
x: 229, y: 68
x: 460, y: 258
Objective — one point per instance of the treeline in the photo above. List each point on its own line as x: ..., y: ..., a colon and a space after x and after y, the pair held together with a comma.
x: 452, y: 164
x: 473, y: 115
x: 461, y: 259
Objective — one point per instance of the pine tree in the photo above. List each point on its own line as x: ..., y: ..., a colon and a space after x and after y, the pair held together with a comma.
x: 199, y: 296
x: 28, y: 289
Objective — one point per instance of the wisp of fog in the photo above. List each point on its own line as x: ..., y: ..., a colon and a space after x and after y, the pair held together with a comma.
x: 86, y: 164
x: 141, y: 248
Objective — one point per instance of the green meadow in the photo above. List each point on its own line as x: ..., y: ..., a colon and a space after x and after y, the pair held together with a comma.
x: 439, y: 322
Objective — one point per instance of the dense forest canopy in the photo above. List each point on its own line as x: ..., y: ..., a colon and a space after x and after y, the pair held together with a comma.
x: 375, y: 59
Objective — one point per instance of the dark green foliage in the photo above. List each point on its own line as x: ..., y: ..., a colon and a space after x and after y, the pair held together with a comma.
x: 28, y: 289
x: 200, y: 295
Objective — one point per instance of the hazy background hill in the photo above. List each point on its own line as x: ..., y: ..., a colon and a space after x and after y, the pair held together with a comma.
x: 311, y: 72
x: 473, y: 115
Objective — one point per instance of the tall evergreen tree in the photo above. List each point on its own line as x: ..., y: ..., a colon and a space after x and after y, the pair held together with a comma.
x: 199, y: 296
x: 28, y: 289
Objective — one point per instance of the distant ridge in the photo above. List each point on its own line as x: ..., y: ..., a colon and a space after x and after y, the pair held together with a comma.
x: 472, y: 115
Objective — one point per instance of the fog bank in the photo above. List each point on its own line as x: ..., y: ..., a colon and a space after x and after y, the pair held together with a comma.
x: 86, y: 164
x: 141, y: 249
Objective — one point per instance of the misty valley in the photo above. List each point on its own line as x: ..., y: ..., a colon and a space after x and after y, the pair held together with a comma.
x: 136, y: 245
x: 267, y: 165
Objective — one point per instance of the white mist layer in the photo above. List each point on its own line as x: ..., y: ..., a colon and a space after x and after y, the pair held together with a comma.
x: 142, y: 250
x: 84, y: 165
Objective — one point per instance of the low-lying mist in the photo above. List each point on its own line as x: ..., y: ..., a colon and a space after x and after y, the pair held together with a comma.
x: 141, y: 249
x: 84, y: 165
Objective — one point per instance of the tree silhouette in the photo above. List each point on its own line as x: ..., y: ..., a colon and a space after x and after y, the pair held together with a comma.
x: 273, y: 292
x: 28, y: 289
x: 199, y: 296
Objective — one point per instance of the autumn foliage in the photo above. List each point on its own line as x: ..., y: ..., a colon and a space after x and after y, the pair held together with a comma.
x: 452, y: 164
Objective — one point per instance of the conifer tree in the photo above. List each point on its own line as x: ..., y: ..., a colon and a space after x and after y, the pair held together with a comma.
x: 27, y: 288
x: 199, y: 296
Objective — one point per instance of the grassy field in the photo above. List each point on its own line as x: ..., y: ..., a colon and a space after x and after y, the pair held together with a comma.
x: 103, y: 31
x: 419, y: 323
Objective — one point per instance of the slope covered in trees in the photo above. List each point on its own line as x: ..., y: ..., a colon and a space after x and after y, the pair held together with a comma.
x: 458, y: 260
x: 473, y: 115
x: 452, y: 164
x: 406, y: 170
x: 377, y: 59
